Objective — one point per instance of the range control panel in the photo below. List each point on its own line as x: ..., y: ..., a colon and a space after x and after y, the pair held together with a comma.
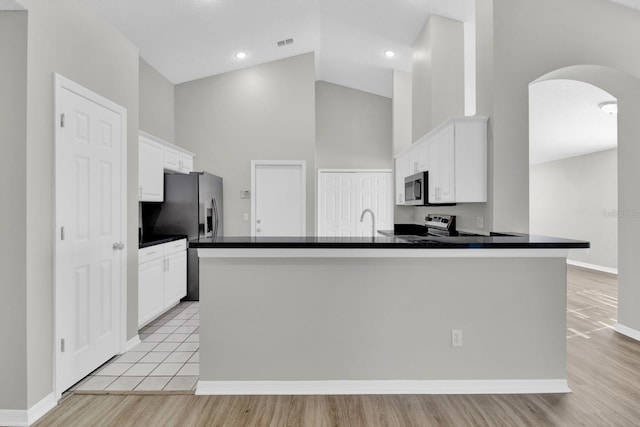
x: 441, y: 222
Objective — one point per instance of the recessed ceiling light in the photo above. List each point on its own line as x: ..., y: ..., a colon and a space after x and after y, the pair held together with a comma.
x: 389, y: 53
x: 609, y: 107
x: 240, y: 55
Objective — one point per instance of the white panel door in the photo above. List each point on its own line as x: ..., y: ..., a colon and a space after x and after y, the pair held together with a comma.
x: 374, y: 191
x: 278, y: 202
x: 337, y: 205
x: 343, y: 196
x: 88, y: 248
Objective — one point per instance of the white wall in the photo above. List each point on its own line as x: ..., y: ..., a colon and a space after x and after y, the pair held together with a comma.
x: 66, y: 37
x: 266, y: 112
x: 353, y: 128
x: 13, y: 209
x: 577, y: 198
x: 157, y: 100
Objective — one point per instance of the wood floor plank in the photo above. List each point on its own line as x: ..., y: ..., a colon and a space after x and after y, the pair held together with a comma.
x: 603, y: 368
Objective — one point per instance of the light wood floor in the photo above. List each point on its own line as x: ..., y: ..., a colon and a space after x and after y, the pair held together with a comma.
x: 603, y: 370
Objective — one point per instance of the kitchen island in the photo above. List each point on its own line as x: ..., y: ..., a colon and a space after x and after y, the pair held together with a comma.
x: 311, y: 315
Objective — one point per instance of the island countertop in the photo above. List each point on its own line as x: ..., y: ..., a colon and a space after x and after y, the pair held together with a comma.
x: 497, y: 241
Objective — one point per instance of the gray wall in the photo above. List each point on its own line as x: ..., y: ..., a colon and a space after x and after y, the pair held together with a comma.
x: 157, y: 116
x: 13, y: 209
x: 577, y: 198
x: 438, y: 74
x: 402, y: 107
x: 353, y: 128
x: 66, y: 37
x: 532, y: 40
x: 352, y: 319
x: 266, y: 112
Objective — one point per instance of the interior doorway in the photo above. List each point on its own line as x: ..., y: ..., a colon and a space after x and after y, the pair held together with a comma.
x: 573, y: 188
x: 278, y: 198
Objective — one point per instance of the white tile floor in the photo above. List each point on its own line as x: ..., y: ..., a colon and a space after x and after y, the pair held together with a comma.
x: 167, y: 359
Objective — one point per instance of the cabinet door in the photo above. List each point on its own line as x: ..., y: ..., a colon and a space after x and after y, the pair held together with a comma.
x: 186, y: 163
x: 441, y: 166
x: 171, y: 159
x: 422, y: 156
x: 150, y: 290
x: 150, y: 171
x: 175, y: 278
x: 447, y: 172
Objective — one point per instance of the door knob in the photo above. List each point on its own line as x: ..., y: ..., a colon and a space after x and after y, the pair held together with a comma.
x: 257, y: 221
x: 118, y: 246
x: 258, y: 230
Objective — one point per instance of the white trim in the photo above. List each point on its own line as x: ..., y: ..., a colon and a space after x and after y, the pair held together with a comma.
x: 13, y: 418
x: 131, y: 343
x: 60, y: 83
x: 627, y: 331
x: 163, y: 142
x: 382, y: 387
x: 593, y: 266
x: 378, y: 253
x: 30, y: 416
x: 303, y: 166
x: 354, y: 171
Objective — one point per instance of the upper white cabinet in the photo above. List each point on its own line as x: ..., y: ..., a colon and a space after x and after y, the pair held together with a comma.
x: 177, y: 159
x: 455, y: 155
x: 156, y: 155
x: 150, y: 173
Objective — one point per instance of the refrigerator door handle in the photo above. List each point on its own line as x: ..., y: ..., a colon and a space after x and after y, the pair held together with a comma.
x: 215, y: 217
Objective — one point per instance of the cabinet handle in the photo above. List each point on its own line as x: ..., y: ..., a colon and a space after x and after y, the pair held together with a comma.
x: 151, y: 253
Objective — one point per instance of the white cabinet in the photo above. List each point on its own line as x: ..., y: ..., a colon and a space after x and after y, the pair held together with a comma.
x: 177, y: 160
x: 150, y: 173
x: 162, y: 278
x: 455, y: 155
x: 441, y: 165
x: 154, y: 157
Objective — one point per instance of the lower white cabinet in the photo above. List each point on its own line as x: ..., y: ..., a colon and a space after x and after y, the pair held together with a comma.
x: 162, y: 278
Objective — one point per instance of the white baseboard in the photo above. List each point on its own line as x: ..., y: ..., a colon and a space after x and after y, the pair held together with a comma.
x: 382, y: 387
x: 131, y: 343
x: 627, y: 331
x: 593, y: 266
x: 15, y: 418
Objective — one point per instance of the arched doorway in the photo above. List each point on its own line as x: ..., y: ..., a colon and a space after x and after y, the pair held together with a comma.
x: 626, y: 89
x: 573, y: 170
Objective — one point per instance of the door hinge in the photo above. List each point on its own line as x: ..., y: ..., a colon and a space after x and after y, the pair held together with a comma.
x: 62, y: 345
x: 62, y: 233
x: 62, y: 120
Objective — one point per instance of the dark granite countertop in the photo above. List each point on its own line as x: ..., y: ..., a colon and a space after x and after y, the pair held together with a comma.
x: 496, y: 241
x: 156, y: 239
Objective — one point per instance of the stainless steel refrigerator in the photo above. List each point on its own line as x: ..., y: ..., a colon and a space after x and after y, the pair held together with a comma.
x: 192, y: 206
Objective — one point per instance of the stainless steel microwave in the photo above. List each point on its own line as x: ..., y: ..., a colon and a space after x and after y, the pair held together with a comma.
x: 416, y: 189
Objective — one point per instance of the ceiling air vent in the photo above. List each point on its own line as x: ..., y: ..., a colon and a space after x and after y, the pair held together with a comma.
x: 284, y: 42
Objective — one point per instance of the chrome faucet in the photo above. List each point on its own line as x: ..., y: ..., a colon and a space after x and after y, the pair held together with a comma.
x: 373, y: 221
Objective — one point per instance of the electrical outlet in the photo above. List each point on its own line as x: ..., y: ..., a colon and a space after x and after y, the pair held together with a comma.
x: 456, y: 338
x: 480, y: 222
x: 245, y: 216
